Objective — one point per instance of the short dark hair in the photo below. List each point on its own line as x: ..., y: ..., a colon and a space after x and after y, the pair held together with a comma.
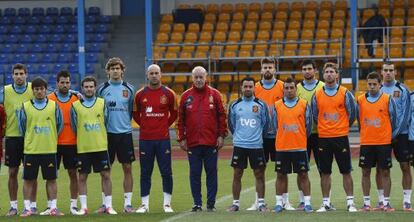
x: 374, y: 75
x: 266, y: 60
x: 113, y: 62
x: 289, y: 80
x: 247, y: 78
x: 19, y: 66
x: 62, y: 73
x: 39, y: 82
x: 308, y: 62
x: 89, y: 79
x: 331, y: 65
x: 387, y: 63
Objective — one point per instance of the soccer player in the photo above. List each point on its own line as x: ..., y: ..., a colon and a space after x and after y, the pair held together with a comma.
x: 88, y: 121
x: 40, y: 122
x: 305, y: 90
x: 293, y: 124
x: 401, y: 148
x: 119, y: 98
x: 155, y: 110
x: 248, y: 119
x: 377, y: 120
x: 12, y: 96
x: 333, y: 108
x: 269, y: 90
x: 66, y: 148
x: 202, y: 128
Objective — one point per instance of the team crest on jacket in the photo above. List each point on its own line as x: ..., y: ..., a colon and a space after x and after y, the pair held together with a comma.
x: 211, y: 99
x: 125, y: 93
x: 163, y: 99
x: 396, y: 94
x: 255, y: 109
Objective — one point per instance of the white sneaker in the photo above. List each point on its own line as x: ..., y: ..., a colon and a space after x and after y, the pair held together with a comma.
x: 168, y: 209
x: 81, y: 212
x: 253, y: 207
x: 110, y: 210
x: 73, y: 210
x: 325, y: 208
x: 352, y: 208
x: 45, y: 212
x: 142, y: 209
x: 287, y: 206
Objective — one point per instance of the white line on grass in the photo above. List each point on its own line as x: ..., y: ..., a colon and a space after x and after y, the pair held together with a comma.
x: 220, y: 200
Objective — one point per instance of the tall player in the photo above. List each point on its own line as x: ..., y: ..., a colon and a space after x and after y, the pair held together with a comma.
x: 305, y: 90
x: 401, y: 148
x: 155, y: 110
x: 119, y: 98
x: 12, y: 96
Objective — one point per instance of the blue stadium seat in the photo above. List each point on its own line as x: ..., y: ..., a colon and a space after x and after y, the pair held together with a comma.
x: 11, y: 39
x: 94, y: 47
x: 52, y: 11
x: 31, y: 69
x: 71, y: 28
x: 90, y: 69
x: 19, y: 58
x: 48, y: 20
x: 70, y: 38
x: 102, y: 28
x: 9, y: 79
x: 51, y: 48
x: 45, y: 29
x: 43, y: 69
x: 91, y: 19
x: 30, y: 29
x: 15, y: 29
x: 99, y: 38
x: 56, y: 38
x: 22, y: 48
x: 89, y: 28
x: 42, y: 38
x: 91, y: 58
x: 34, y: 20
x: 74, y: 58
x: 63, y: 58
x: 2, y: 71
x: 9, y: 12
x: 104, y: 19
x: 33, y: 58
x: 26, y: 39
x: 73, y: 68
x: 66, y: 11
x: 4, y: 29
x: 37, y: 11
x: 68, y: 47
x: 58, y: 67
x: 60, y: 29
x: 4, y: 59
x: 94, y: 11
x: 63, y: 20
x: 37, y: 48
x: 5, y: 20
x: 7, y: 48
x: 48, y: 58
x: 23, y: 12
x: 20, y: 20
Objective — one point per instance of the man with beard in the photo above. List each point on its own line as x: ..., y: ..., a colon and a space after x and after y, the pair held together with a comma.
x: 155, y: 110
x: 305, y: 90
x: 333, y: 109
x: 248, y: 119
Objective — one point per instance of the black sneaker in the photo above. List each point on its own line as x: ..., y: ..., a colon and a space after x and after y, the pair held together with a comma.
x: 211, y: 208
x: 196, y: 208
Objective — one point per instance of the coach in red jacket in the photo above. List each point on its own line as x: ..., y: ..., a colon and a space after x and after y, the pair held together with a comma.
x: 201, y: 130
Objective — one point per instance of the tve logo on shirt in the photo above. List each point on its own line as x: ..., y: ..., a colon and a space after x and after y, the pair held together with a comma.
x: 374, y: 122
x: 42, y: 130
x: 92, y: 127
x: 248, y: 122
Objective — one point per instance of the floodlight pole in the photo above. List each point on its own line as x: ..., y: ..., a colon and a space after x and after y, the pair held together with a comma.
x: 81, y: 38
x: 354, y: 7
x: 148, y: 32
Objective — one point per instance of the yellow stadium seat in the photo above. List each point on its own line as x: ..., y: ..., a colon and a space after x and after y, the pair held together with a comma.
x: 385, y: 12
x: 183, y: 67
x: 323, y: 24
x: 188, y: 48
x: 279, y: 25
x: 296, y: 15
x: 341, y: 5
x: 281, y: 16
x: 275, y: 52
x: 269, y: 6
x: 165, y: 28
x: 255, y: 7
x: 216, y: 51
x: 166, y: 79
x: 325, y: 15
x: 307, y: 34
x: 200, y: 54
x: 397, y: 32
x: 241, y: 7
x: 244, y: 53
x: 167, y: 18
x: 291, y: 45
x: 309, y: 25
x: 224, y: 17
x: 292, y: 35
x: 210, y: 17
x: 238, y: 17
x: 297, y: 6
x: 410, y: 4
x: 207, y: 27
x: 325, y: 5
x: 263, y: 35
x: 222, y: 27
x: 193, y: 27
x: 178, y: 88
x: 246, y: 46
x: 219, y: 36
x: 322, y: 45
x: 289, y: 53
x: 226, y: 8
x: 212, y: 8
x: 410, y: 22
x: 333, y: 52
x: 310, y: 16
x: 266, y: 16
x: 304, y: 52
x: 171, y: 55
x: 339, y: 14
x: 161, y: 38
x: 278, y: 35
x: 363, y: 53
x: 236, y: 26
x: 384, y: 4
x: 176, y: 37
x: 190, y: 37
x: 294, y: 25
x: 250, y: 26
x: 186, y: 55
x: 338, y: 24
x: 180, y: 79
x: 282, y: 6
x: 179, y: 27
x: 397, y: 22
x: 399, y: 3
x: 335, y: 45
x: 311, y: 6
x: 202, y: 7
x: 205, y: 37
x: 265, y: 26
x: 396, y: 53
x: 234, y: 36
x: 174, y: 48
x: 409, y: 74
x: 231, y: 46
x: 184, y: 6
x: 321, y: 34
x: 305, y: 45
x: 260, y: 46
x: 253, y: 16
x: 368, y: 13
x: 410, y: 12
x: 319, y: 52
x: 249, y: 35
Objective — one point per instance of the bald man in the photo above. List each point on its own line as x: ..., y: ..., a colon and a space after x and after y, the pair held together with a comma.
x: 155, y: 109
x: 201, y: 130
